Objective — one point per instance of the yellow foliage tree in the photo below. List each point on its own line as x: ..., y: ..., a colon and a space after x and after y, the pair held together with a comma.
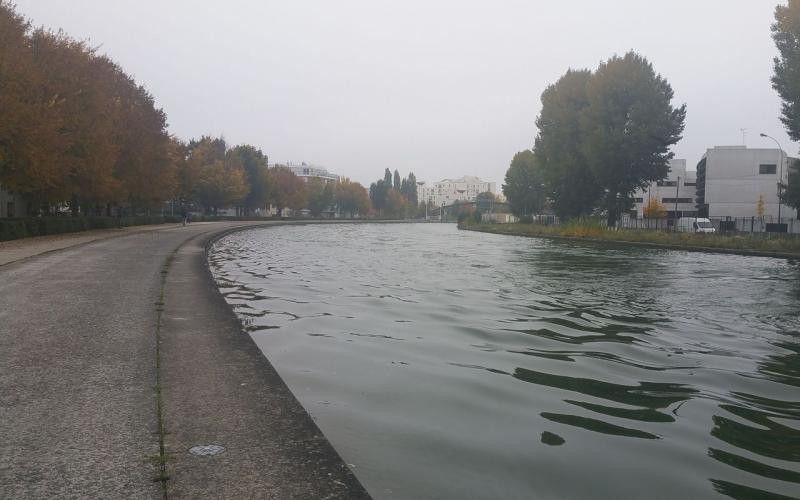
x: 654, y: 209
x: 760, y: 206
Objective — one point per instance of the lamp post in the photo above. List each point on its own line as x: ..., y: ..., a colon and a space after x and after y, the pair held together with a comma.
x: 677, y: 194
x: 780, y: 176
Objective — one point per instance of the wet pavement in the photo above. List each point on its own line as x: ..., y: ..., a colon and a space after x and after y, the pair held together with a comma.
x: 78, y: 413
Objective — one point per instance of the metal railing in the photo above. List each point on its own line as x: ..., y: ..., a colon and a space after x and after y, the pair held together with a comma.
x: 750, y: 225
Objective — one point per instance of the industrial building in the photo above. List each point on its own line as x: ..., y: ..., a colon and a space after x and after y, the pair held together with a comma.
x: 730, y: 182
x: 676, y: 193
x: 732, y: 179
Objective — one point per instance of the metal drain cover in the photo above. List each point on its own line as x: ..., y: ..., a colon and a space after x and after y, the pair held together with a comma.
x: 206, y: 450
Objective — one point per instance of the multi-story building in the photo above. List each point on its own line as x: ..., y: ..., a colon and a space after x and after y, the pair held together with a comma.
x: 676, y: 193
x: 732, y: 179
x: 306, y: 171
x: 446, y: 191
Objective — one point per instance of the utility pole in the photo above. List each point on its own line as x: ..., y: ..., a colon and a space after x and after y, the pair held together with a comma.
x: 780, y: 177
x: 677, y: 193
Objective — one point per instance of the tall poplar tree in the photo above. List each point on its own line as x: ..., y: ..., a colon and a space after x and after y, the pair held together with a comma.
x: 558, y: 149
x: 628, y: 128
x: 786, y: 81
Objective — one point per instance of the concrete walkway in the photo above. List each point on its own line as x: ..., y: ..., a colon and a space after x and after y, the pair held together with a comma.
x: 15, y: 250
x: 79, y: 373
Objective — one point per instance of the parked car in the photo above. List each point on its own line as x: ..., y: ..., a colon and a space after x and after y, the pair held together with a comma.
x: 695, y: 225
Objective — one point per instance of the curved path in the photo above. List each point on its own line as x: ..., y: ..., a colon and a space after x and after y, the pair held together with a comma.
x: 92, y: 405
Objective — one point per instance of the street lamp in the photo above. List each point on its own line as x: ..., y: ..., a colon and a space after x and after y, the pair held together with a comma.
x: 780, y: 176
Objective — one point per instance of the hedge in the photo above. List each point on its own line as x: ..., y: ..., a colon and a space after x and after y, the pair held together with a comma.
x: 11, y: 229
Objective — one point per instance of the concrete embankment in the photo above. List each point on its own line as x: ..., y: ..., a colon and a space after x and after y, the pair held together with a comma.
x: 119, y: 357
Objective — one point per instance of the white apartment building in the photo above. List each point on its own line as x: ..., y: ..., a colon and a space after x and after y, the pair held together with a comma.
x: 732, y: 179
x: 306, y: 171
x: 446, y: 191
x: 676, y: 193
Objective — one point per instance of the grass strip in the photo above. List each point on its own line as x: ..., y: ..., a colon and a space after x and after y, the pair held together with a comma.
x: 765, y: 244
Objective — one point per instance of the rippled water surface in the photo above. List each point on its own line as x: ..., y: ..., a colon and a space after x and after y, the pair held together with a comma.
x: 452, y: 364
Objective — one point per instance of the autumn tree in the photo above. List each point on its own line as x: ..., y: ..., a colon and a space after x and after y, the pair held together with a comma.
x: 148, y: 157
x: 351, y: 197
x: 396, y: 205
x: 220, y: 174
x: 30, y: 140
x: 760, y: 209
x: 286, y: 189
x: 75, y: 127
x: 654, y: 209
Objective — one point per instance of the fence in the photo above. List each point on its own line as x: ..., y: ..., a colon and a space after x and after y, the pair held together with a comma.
x: 721, y: 224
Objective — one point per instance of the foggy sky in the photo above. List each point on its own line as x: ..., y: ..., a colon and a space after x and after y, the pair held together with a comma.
x: 441, y: 88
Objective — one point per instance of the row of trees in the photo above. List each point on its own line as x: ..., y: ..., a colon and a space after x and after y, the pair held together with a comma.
x: 215, y: 176
x: 74, y: 126
x: 77, y: 131
x: 393, y: 196
x: 602, y: 135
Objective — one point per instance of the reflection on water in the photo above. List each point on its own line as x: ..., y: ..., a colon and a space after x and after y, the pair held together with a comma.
x: 447, y: 364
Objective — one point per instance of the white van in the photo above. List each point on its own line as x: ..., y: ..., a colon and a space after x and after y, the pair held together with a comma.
x: 695, y: 225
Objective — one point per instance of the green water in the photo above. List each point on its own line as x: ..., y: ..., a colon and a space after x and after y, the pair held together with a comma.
x: 450, y: 364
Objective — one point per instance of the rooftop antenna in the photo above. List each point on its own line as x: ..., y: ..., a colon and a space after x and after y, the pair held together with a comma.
x: 744, y: 136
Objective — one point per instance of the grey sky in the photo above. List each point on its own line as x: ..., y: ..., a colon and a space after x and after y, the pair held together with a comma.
x: 441, y: 88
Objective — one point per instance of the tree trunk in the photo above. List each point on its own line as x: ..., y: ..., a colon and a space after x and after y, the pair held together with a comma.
x: 612, y: 211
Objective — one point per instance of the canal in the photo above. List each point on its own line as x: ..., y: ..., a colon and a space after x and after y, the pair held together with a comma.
x: 452, y: 364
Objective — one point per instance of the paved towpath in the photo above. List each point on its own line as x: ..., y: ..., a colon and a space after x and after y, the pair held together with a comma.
x: 79, y: 378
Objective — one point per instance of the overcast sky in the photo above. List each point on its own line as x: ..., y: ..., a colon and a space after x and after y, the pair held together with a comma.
x: 440, y: 88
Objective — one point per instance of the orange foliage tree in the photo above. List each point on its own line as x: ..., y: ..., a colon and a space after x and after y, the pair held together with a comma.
x: 352, y: 198
x: 286, y: 189
x: 74, y: 127
x: 654, y: 209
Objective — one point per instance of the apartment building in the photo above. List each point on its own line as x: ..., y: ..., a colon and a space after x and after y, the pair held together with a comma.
x: 446, y: 191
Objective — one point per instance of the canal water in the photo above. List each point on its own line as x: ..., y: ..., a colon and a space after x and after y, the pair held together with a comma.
x: 451, y: 364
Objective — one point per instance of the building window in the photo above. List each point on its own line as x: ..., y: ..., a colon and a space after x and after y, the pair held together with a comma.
x: 10, y: 209
x: 766, y: 169
x: 691, y: 183
x: 667, y: 183
x: 638, y: 200
x: 679, y: 200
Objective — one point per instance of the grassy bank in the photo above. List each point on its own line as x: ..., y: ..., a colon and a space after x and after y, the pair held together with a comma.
x: 756, y: 244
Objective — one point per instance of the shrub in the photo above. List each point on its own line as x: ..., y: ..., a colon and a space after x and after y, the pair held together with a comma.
x: 11, y: 229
